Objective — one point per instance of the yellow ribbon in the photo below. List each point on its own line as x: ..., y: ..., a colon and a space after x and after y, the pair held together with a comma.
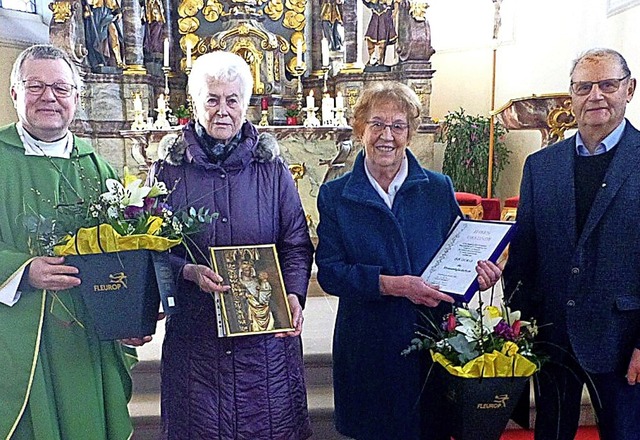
x: 86, y: 240
x: 494, y: 364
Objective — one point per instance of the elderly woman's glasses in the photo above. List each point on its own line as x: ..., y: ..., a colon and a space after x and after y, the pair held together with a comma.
x: 583, y: 88
x: 378, y: 127
x: 36, y: 87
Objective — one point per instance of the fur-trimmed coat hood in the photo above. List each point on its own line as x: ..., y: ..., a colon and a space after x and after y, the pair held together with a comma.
x: 175, y: 149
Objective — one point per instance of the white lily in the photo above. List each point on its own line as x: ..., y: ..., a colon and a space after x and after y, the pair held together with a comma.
x: 131, y: 195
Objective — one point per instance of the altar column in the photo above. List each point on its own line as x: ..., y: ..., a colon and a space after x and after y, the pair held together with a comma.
x: 351, y: 37
x: 133, y: 37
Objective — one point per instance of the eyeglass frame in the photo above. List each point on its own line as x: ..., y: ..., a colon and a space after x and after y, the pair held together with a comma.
x: 378, y: 127
x: 51, y: 85
x: 592, y: 83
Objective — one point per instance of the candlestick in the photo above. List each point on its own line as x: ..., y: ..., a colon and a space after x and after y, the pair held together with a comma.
x: 137, y: 103
x: 166, y: 52
x: 264, y: 103
x: 339, y: 100
x: 299, y: 53
x: 188, y: 63
x: 325, y: 51
x: 311, y: 101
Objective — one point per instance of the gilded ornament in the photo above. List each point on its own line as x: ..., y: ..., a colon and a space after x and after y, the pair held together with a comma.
x: 62, y: 11
x: 188, y: 25
x: 274, y: 9
x: 559, y: 120
x: 189, y: 8
x: 296, y: 5
x: 418, y: 9
x: 293, y: 20
x: 352, y: 96
x: 212, y: 10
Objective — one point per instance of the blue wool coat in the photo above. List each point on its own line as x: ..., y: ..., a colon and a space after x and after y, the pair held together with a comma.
x: 376, y: 389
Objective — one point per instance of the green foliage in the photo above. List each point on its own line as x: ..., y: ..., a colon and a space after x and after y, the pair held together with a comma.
x: 466, y: 155
x: 292, y: 110
x: 182, y: 112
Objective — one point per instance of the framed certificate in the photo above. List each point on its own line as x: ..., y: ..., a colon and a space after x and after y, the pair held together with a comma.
x: 453, y: 268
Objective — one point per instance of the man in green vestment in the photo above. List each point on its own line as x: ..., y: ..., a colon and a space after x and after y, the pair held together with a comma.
x: 58, y: 381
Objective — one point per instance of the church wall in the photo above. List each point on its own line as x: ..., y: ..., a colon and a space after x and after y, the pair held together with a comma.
x: 537, y: 43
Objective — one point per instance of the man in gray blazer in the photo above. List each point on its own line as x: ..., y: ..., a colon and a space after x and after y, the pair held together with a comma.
x: 575, y: 259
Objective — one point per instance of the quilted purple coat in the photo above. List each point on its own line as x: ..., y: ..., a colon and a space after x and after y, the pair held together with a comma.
x: 249, y: 387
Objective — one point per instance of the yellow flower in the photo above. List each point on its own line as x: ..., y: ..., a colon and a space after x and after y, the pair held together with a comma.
x: 493, y: 312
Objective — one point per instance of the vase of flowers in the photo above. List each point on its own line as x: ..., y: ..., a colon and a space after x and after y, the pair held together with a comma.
x: 119, y: 250
x: 292, y: 113
x: 485, y: 356
x: 466, y: 154
x: 183, y: 114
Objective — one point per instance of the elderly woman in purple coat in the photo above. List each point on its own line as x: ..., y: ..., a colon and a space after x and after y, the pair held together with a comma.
x: 245, y: 387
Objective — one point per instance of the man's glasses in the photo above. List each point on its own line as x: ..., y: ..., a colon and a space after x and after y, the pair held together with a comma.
x: 36, y: 87
x: 583, y: 88
x: 378, y: 127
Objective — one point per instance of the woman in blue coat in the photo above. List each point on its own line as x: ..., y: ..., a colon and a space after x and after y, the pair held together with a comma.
x: 245, y: 387
x: 379, y: 226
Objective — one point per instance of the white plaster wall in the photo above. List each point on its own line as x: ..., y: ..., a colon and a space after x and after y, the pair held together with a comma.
x: 537, y: 42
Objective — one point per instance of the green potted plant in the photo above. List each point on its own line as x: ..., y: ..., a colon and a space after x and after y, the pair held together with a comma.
x: 292, y: 113
x: 466, y: 154
x: 183, y: 114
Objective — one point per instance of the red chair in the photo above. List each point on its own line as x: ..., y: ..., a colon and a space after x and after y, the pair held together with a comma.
x: 470, y: 205
x: 510, y: 209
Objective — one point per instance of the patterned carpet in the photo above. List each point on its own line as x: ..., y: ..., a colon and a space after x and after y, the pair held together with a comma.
x: 585, y: 433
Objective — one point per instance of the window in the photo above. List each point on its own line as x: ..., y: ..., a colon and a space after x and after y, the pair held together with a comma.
x: 19, y: 5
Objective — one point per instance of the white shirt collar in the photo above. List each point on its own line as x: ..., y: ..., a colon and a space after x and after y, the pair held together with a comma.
x: 33, y: 147
x: 394, y: 186
x: 607, y: 143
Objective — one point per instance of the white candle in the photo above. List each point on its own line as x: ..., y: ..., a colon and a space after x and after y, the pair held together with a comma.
x: 166, y: 52
x: 299, y: 53
x: 189, y: 54
x: 311, y: 102
x: 339, y: 100
x: 137, y: 103
x: 161, y: 103
x: 325, y: 51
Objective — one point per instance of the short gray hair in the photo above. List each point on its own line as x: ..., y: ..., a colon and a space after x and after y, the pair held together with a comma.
x: 43, y: 52
x: 602, y: 53
x: 221, y: 66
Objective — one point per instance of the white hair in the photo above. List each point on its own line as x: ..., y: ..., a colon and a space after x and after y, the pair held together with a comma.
x: 221, y: 66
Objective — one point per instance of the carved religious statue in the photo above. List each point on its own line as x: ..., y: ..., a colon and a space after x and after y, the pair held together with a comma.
x: 154, y: 19
x: 331, y: 16
x: 103, y: 33
x: 381, y: 31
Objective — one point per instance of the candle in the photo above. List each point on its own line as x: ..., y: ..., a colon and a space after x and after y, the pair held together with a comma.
x: 325, y: 51
x: 166, y: 52
x: 137, y: 103
x: 339, y: 100
x: 311, y: 102
x: 161, y: 103
x: 188, y: 54
x: 264, y: 103
x: 299, y: 53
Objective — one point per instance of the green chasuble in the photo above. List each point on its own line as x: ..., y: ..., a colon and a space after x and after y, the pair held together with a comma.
x: 57, y: 380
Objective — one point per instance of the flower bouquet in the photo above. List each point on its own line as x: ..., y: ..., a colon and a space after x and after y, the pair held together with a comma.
x: 486, y: 357
x: 121, y: 256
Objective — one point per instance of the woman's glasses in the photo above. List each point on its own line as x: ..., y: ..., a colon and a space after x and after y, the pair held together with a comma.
x: 378, y: 127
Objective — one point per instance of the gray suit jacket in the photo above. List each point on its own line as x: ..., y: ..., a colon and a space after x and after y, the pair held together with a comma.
x: 585, y: 289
